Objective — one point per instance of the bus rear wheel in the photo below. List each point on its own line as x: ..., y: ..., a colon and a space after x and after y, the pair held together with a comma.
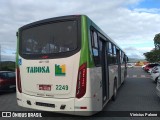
x: 114, y: 91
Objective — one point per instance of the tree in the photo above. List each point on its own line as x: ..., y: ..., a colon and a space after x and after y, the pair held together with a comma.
x: 157, y: 41
x: 153, y: 56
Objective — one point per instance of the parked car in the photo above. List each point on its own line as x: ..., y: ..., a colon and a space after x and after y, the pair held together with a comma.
x: 155, y: 73
x: 149, y: 66
x: 7, y: 81
x: 129, y: 65
x: 158, y: 86
x: 144, y: 66
x: 152, y: 69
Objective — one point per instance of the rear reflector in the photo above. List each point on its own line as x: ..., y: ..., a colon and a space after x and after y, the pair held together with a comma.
x: 83, y: 107
x: 80, y: 107
x: 45, y: 57
x: 81, y: 81
x: 19, y: 80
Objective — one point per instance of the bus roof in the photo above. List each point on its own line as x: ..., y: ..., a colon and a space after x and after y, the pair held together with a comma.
x: 61, y: 18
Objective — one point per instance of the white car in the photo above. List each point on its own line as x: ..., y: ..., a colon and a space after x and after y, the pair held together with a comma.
x: 152, y: 69
x: 155, y: 73
x: 129, y: 65
x: 158, y: 87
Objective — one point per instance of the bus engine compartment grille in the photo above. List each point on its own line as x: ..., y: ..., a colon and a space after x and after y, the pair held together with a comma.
x: 45, y: 104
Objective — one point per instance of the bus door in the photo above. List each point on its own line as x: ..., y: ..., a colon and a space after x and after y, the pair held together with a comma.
x: 119, y: 66
x: 105, y: 74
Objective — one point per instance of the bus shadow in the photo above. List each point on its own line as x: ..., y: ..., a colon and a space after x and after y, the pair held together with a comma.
x: 7, y: 92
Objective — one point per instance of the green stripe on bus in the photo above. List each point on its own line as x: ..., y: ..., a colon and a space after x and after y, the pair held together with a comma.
x: 17, y: 51
x: 85, y: 55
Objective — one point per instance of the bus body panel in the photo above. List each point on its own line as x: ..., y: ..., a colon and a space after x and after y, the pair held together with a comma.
x: 113, y: 69
x: 122, y: 73
x: 95, y: 80
x: 62, y: 86
x: 92, y: 100
x: 93, y: 104
x: 96, y: 87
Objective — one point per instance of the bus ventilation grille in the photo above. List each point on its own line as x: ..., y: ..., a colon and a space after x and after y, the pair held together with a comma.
x: 45, y: 104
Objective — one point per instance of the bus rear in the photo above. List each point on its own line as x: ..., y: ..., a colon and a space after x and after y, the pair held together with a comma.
x: 52, y: 65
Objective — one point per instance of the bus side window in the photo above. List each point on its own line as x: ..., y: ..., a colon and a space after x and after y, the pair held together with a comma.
x: 110, y: 47
x: 122, y: 57
x: 94, y: 40
x: 110, y: 53
x: 114, y: 54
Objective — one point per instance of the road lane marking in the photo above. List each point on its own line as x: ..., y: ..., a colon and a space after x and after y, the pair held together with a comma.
x: 143, y: 76
x: 134, y: 76
x: 138, y: 76
x: 148, y: 76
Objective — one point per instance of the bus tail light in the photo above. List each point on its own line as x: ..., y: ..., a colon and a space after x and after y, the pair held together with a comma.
x: 19, y: 80
x: 83, y: 107
x: 81, y: 81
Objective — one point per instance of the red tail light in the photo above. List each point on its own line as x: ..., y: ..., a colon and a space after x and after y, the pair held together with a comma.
x: 19, y: 80
x: 81, y: 81
x: 45, y: 56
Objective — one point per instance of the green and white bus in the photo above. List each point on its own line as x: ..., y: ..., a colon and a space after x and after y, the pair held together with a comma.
x: 67, y: 64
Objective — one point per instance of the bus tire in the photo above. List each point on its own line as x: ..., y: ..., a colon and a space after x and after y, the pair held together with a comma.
x: 114, y: 91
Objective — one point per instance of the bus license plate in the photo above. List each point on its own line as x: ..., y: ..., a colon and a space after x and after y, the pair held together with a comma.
x: 45, y: 87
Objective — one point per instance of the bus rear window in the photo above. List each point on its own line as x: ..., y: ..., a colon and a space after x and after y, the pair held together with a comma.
x: 49, y: 38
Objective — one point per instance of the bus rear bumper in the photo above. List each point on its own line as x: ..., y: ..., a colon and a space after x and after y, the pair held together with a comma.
x: 45, y: 104
x: 71, y: 106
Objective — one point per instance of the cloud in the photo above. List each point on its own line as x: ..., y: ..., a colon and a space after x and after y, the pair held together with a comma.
x: 134, y: 52
x: 128, y: 27
x: 8, y: 57
x: 144, y: 10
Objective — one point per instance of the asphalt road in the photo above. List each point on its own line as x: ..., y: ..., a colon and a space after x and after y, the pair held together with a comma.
x: 136, y: 94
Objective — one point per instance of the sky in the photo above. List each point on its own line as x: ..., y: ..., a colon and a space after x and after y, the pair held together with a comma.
x: 132, y: 24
